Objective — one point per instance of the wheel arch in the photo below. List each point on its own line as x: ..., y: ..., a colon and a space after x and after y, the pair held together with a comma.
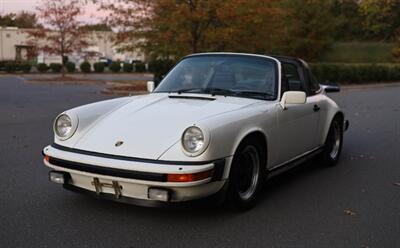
x: 256, y: 133
x: 337, y: 114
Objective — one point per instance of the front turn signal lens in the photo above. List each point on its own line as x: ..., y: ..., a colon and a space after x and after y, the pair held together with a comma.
x: 184, y: 178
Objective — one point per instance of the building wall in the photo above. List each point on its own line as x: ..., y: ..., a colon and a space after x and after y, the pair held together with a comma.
x: 101, y: 42
x: 9, y: 37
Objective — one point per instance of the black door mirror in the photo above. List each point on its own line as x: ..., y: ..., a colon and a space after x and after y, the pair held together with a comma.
x: 330, y: 87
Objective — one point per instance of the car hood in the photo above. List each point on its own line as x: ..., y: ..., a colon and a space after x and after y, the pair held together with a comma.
x: 148, y: 126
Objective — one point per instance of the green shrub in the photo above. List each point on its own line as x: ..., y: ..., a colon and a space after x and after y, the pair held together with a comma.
x: 11, y: 67
x: 127, y: 67
x: 394, y: 72
x: 85, y: 67
x: 140, y: 67
x: 98, y: 67
x: 42, y: 67
x: 70, y: 67
x: 2, y: 64
x: 160, y: 67
x: 356, y: 73
x: 155, y: 65
x: 350, y: 74
x: 115, y: 66
x: 56, y: 67
x: 359, y: 52
x: 26, y: 67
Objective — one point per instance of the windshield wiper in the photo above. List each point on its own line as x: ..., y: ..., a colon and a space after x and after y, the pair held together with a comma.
x: 188, y: 90
x: 264, y: 95
x: 212, y: 91
x: 226, y: 92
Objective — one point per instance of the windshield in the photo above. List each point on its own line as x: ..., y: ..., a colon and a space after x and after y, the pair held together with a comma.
x: 235, y: 75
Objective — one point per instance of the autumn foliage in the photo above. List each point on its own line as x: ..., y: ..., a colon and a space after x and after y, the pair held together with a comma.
x: 165, y: 28
x: 61, y: 33
x: 169, y: 29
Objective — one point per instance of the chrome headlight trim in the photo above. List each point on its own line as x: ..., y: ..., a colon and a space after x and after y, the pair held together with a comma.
x: 195, y: 135
x: 69, y: 119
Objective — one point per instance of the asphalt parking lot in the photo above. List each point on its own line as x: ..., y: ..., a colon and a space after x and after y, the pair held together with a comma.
x: 355, y: 204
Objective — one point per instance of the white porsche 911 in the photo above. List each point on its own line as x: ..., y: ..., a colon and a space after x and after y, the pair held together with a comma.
x: 218, y: 124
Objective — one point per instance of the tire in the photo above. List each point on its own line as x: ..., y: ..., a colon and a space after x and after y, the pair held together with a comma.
x: 247, y: 174
x: 333, y: 143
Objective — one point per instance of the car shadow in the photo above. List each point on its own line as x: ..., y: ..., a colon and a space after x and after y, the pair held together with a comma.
x: 291, y: 177
x: 207, y: 208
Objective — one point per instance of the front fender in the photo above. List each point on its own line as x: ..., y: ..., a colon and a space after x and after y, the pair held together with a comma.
x: 88, y: 115
x: 227, y: 132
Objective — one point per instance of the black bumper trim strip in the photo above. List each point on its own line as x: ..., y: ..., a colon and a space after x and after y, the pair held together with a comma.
x: 219, y: 168
x: 125, y: 158
x: 139, y: 175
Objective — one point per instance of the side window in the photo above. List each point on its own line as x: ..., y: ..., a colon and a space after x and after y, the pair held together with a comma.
x: 292, y: 77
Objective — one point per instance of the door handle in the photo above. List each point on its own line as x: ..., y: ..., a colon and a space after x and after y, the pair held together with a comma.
x: 316, y: 108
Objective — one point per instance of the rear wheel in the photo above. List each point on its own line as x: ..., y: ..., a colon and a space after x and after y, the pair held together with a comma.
x: 247, y: 174
x: 333, y: 144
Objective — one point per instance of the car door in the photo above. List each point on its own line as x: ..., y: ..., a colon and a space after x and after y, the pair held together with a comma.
x: 298, y: 123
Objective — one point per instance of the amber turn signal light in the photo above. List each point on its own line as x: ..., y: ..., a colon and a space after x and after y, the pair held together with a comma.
x: 183, y: 178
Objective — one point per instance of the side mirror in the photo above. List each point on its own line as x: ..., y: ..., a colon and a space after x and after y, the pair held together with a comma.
x: 150, y: 86
x: 293, y: 97
x: 330, y: 87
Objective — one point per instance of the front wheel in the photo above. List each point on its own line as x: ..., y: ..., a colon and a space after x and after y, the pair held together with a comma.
x: 247, y: 174
x: 333, y: 144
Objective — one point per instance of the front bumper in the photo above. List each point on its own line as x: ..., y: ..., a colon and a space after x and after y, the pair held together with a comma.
x: 97, y: 174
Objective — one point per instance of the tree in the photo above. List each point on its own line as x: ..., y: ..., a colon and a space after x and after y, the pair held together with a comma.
x: 349, y: 24
x: 62, y: 33
x: 253, y: 26
x: 396, y: 49
x: 26, y: 19
x: 381, y: 18
x: 7, y: 20
x: 97, y: 27
x: 309, y: 28
x: 23, y: 19
x: 164, y: 28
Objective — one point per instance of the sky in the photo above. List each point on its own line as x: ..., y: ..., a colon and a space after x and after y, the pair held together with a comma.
x: 92, y: 15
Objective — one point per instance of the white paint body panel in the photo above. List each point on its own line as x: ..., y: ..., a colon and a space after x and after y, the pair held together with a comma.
x: 150, y: 125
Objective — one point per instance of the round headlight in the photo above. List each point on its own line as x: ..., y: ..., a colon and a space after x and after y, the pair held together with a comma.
x: 193, y: 140
x: 64, y: 126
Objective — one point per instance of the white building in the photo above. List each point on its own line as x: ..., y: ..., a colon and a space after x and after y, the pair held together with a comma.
x: 14, y: 46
